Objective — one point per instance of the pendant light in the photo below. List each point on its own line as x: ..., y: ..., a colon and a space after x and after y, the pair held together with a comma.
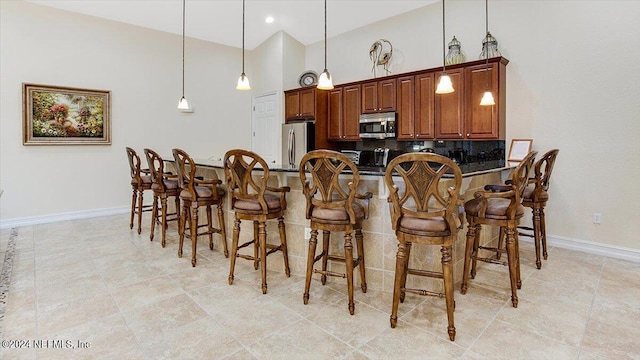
x: 325, y: 82
x: 243, y: 80
x: 444, y: 84
x: 183, y: 104
x: 487, y: 97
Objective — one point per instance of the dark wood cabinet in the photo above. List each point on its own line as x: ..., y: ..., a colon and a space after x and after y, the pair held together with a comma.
x: 309, y: 104
x: 344, y: 113
x: 415, y: 109
x: 334, y: 131
x: 379, y: 96
x: 484, y: 122
x: 449, y: 108
x: 301, y: 104
x: 421, y: 113
x: 460, y: 116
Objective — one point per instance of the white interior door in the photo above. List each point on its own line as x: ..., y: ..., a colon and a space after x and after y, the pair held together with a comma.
x: 266, y: 127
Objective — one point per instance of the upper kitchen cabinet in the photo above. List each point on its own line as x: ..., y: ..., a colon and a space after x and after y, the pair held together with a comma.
x: 485, y: 122
x: 415, y: 107
x: 344, y: 113
x: 303, y: 104
x: 379, y: 96
x: 449, y: 108
x: 459, y: 115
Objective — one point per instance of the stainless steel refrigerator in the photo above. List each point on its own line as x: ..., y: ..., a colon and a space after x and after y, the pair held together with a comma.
x: 298, y: 138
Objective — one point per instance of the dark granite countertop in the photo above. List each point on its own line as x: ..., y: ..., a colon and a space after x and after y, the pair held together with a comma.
x: 471, y: 169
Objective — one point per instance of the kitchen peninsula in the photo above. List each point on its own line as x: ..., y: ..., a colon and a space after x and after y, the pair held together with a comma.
x: 380, y: 243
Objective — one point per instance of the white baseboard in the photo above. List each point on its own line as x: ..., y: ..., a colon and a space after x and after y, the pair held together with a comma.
x: 591, y: 247
x: 6, y: 224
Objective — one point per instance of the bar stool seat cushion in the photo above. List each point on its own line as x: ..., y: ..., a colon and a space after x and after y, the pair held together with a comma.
x: 336, y: 214
x: 146, y: 180
x: 201, y: 192
x: 168, y: 184
x: 273, y: 203
x: 528, y: 194
x: 496, y: 208
x: 412, y: 224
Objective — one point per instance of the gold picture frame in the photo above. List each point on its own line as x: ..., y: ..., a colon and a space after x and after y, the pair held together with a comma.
x: 519, y: 149
x: 55, y: 115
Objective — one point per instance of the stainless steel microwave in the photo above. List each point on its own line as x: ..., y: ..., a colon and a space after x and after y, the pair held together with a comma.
x: 378, y: 126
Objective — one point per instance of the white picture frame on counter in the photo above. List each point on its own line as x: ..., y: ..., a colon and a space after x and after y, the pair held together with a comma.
x: 519, y: 149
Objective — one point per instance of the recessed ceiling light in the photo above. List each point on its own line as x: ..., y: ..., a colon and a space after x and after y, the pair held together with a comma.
x: 269, y: 19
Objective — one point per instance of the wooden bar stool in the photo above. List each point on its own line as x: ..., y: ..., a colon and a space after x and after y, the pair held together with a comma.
x: 497, y: 205
x: 535, y: 197
x: 332, y: 206
x: 140, y: 181
x: 196, y: 193
x: 164, y: 185
x: 258, y: 202
x: 424, y: 212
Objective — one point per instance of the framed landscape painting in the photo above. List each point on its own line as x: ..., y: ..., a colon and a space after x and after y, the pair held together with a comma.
x: 54, y: 115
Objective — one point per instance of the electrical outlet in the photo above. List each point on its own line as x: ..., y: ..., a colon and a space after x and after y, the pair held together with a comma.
x: 597, y: 218
x: 307, y: 233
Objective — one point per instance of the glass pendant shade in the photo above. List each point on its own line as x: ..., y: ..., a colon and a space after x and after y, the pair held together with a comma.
x: 487, y: 99
x: 243, y: 83
x: 325, y: 82
x: 444, y: 85
x: 183, y: 104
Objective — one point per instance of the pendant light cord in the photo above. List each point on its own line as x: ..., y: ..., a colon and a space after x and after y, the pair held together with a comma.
x: 486, y: 41
x: 183, y: 20
x: 242, y: 37
x: 325, y: 35
x: 444, y: 70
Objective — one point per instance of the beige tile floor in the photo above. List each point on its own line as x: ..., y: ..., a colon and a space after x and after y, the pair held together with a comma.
x: 96, y: 283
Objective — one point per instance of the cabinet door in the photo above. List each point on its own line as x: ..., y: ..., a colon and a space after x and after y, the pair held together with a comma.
x: 449, y: 115
x: 424, y: 109
x: 369, y: 97
x: 386, y: 99
x: 406, y: 103
x: 481, y: 121
x: 335, y: 114
x: 292, y: 104
x: 308, y: 103
x: 351, y: 118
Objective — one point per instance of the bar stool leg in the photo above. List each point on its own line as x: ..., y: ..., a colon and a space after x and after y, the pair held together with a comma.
x: 194, y: 235
x: 313, y: 240
x: 361, y: 265
x: 403, y: 284
x: 536, y: 234
x: 256, y: 246
x: 326, y: 236
x: 234, y: 249
x: 134, y: 198
x: 348, y: 254
x: 140, y: 202
x: 543, y: 233
x: 262, y: 235
x: 154, y: 216
x: 471, y: 234
x: 511, y: 256
x: 283, y: 242
x: 401, y: 260
x: 447, y: 276
x: 182, y: 227
x: 223, y: 232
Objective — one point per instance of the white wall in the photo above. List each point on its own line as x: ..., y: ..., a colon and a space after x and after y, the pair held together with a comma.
x: 142, y: 69
x: 573, y: 82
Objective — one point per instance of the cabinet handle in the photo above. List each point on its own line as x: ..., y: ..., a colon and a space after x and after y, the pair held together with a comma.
x: 467, y: 135
x: 460, y: 135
